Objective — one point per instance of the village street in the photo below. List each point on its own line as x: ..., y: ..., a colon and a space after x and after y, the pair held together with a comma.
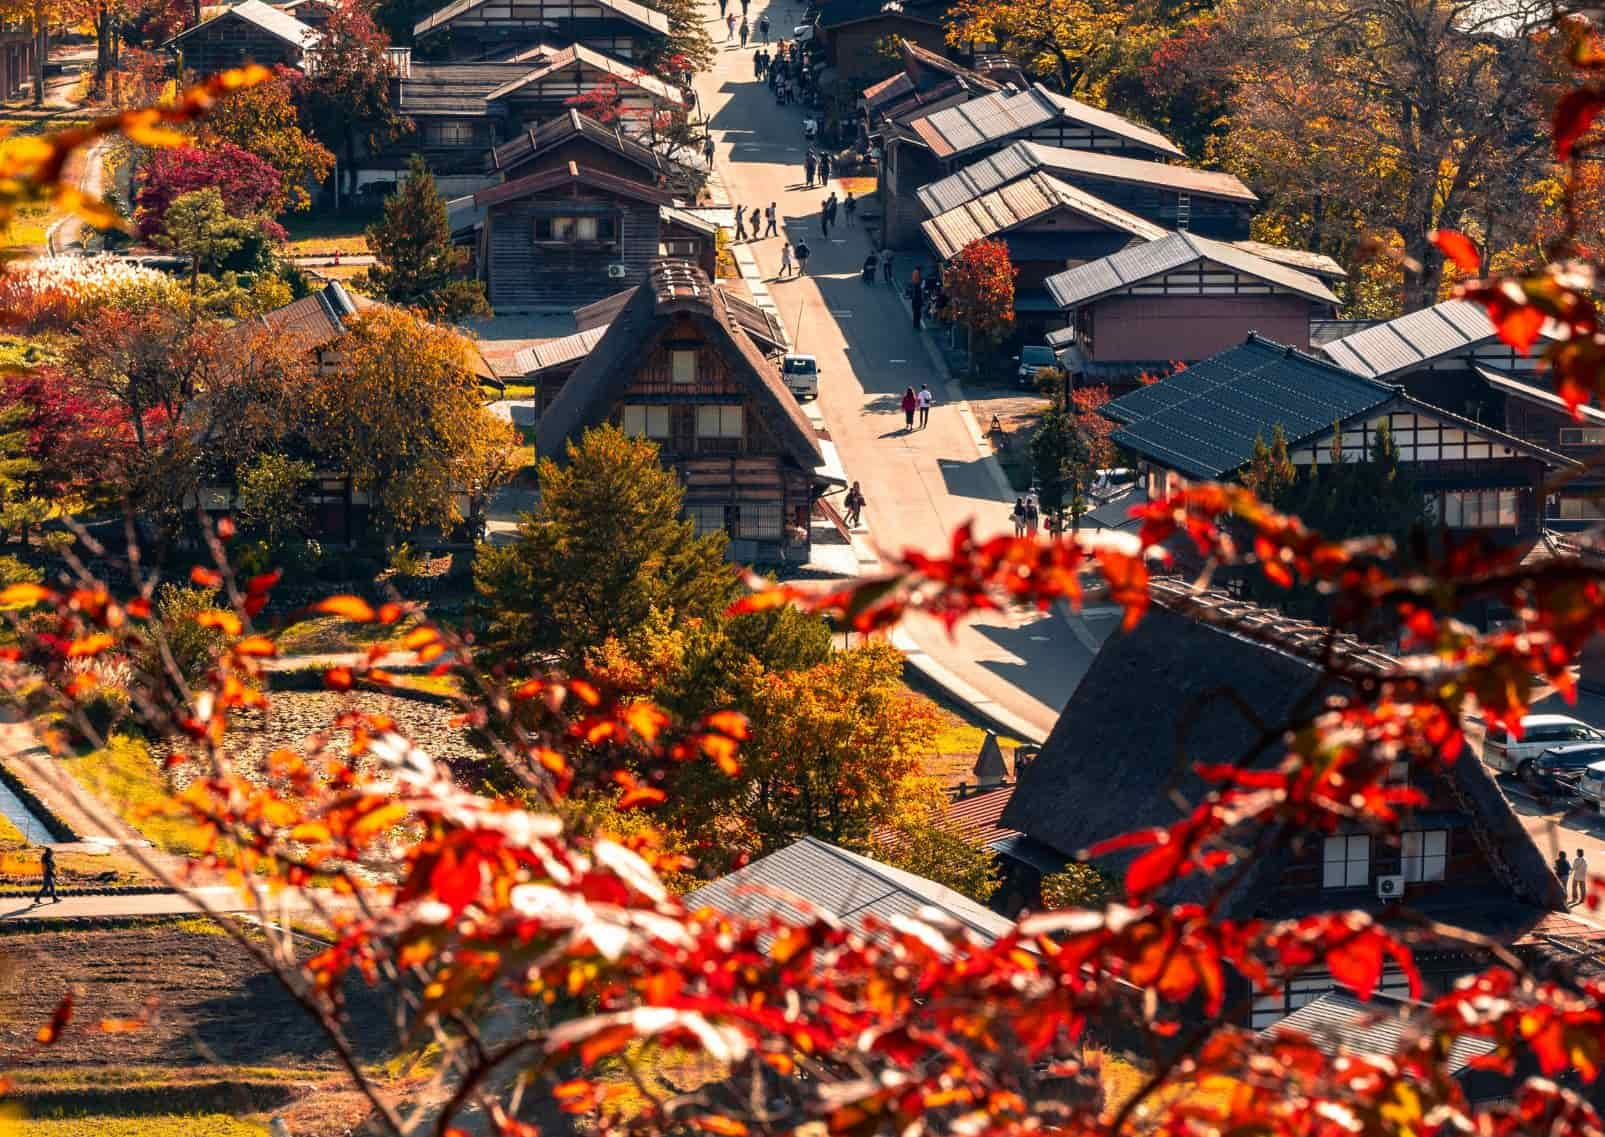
x: 920, y: 486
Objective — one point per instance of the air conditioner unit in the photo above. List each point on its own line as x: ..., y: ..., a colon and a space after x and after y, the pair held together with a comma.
x: 1390, y: 887
x: 617, y: 272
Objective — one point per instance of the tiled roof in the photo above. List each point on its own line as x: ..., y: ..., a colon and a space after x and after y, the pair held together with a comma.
x: 851, y: 887
x: 555, y: 353
x: 837, y: 13
x: 976, y: 817
x: 578, y: 55
x: 1022, y: 158
x: 1120, y: 270
x: 1020, y: 202
x: 272, y: 20
x: 571, y: 172
x: 1203, y: 421
x: 1004, y: 114
x: 1419, y: 337
x: 630, y: 10
x: 560, y: 128
x: 1519, y: 388
x: 1317, y: 264
x: 454, y: 88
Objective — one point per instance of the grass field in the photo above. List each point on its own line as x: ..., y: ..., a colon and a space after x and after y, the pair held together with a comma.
x: 324, y: 635
x: 125, y: 777
x: 194, y: 1125
x: 323, y: 231
x: 958, y: 742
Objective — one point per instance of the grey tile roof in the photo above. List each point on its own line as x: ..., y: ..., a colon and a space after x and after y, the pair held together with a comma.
x: 628, y: 9
x: 1120, y: 270
x: 1020, y: 202
x: 847, y: 885
x: 1419, y: 337
x: 1002, y: 115
x: 270, y: 19
x: 560, y: 128
x: 1021, y: 158
x: 1338, y: 1020
x: 454, y: 88
x: 837, y: 13
x: 578, y: 55
x: 1519, y: 388
x: 555, y: 353
x: 1202, y: 421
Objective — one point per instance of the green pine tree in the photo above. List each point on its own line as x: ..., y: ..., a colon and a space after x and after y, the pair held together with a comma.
x: 417, y: 264
x: 605, y: 548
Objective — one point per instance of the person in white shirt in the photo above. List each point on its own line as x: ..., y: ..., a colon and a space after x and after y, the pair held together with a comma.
x: 925, y: 400
x: 1579, y: 878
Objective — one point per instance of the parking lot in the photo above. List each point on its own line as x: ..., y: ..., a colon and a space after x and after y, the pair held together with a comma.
x: 1555, y: 824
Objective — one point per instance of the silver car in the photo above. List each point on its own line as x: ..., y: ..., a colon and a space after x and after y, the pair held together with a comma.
x: 1538, y: 734
x: 1591, y: 786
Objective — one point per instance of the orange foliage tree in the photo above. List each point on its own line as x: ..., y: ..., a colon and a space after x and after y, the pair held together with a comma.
x: 979, y: 283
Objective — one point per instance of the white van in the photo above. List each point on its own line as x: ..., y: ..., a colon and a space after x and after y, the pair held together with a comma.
x: 1538, y: 734
x: 801, y: 373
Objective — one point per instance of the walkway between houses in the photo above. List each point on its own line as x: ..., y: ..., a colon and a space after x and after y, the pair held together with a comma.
x: 919, y: 485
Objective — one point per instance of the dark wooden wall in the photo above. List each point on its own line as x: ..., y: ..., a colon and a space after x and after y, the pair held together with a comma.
x: 523, y: 275
x: 229, y: 42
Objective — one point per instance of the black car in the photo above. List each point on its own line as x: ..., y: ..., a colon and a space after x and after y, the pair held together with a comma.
x: 1558, y: 769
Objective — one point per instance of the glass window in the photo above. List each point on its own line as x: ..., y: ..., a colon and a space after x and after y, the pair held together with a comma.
x: 1581, y: 508
x: 1424, y: 854
x: 705, y: 518
x: 1479, y: 509
x: 718, y: 422
x: 1346, y: 862
x: 685, y: 366
x: 587, y: 227
x: 760, y: 522
x: 652, y: 422
x: 1582, y: 436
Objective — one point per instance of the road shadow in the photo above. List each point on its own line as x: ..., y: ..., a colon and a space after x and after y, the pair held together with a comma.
x: 966, y: 478
x: 1050, y: 660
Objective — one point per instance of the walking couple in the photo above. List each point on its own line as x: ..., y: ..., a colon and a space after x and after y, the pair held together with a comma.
x: 1026, y: 516
x: 917, y: 402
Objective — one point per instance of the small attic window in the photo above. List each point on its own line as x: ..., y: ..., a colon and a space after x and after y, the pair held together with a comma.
x: 685, y: 366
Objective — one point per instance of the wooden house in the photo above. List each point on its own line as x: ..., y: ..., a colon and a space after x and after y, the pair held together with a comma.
x: 500, y: 29
x: 854, y: 33
x: 575, y: 137
x: 570, y: 234
x: 1207, y: 202
x: 547, y: 365
x: 1178, y: 299
x: 1047, y: 225
x: 462, y: 110
x: 677, y: 367
x: 313, y: 13
x: 928, y: 80
x: 1202, y: 424
x: 17, y: 46
x: 1450, y: 356
x: 927, y: 146
x: 249, y: 32
x: 1196, y: 678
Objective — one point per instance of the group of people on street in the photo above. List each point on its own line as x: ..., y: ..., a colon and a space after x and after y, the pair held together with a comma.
x: 1573, y: 876
x: 816, y: 164
x: 763, y: 222
x: 827, y: 213
x: 787, y: 267
x: 1026, y: 515
x: 917, y: 402
x: 729, y: 19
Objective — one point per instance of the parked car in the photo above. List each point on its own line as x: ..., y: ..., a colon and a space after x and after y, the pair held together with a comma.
x: 1033, y: 359
x: 801, y: 373
x: 1558, y: 770
x: 1538, y: 734
x: 1591, y: 786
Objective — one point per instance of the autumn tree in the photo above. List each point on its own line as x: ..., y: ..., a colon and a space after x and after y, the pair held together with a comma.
x: 72, y: 437
x: 688, y: 49
x: 197, y: 226
x: 263, y: 121
x: 346, y: 99
x: 402, y: 416
x: 606, y: 546
x: 921, y: 839
x: 246, y: 185
x: 1059, y: 41
x: 979, y: 284
x: 415, y: 262
x: 1362, y: 124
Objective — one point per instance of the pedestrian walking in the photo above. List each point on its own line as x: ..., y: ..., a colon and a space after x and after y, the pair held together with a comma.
x: 910, y: 403
x: 1032, y: 516
x: 757, y: 65
x: 707, y: 150
x: 824, y: 167
x: 808, y: 169
x: 886, y: 265
x: 1563, y: 871
x: 1017, y: 515
x: 769, y: 229
x: 914, y: 284
x: 824, y: 217
x: 785, y: 261
x: 729, y: 26
x: 925, y: 399
x: 854, y: 501
x: 1579, y: 878
x: 741, y: 224
x: 802, y: 251
x: 723, y: 6
x: 744, y: 5
x: 850, y: 207
x: 763, y: 26
x: 830, y: 206
x: 745, y: 30
x: 47, y: 866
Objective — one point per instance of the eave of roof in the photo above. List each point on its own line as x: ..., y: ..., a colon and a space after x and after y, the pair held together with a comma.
x: 1517, y: 388
x: 1418, y: 337
x: 571, y: 173
x: 578, y: 55
x: 636, y: 13
x: 271, y: 20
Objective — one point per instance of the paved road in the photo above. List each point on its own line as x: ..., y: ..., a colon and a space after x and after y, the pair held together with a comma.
x: 920, y: 485
x: 220, y: 898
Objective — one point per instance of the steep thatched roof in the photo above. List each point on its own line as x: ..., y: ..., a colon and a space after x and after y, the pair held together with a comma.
x: 1199, y: 680
x: 673, y: 288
